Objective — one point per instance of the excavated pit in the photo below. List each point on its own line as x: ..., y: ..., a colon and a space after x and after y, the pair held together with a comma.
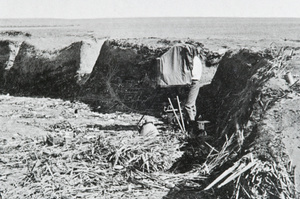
x: 242, y: 105
x: 125, y: 76
x: 238, y: 103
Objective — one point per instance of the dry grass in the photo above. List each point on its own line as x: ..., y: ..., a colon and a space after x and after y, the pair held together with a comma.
x: 89, y: 164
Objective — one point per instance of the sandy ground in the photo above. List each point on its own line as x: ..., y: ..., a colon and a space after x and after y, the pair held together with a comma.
x: 25, y: 117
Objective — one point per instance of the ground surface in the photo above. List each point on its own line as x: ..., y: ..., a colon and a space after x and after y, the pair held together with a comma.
x: 32, y: 116
x: 23, y: 117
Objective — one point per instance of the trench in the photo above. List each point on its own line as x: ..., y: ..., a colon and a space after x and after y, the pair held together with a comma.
x: 123, y: 78
x: 239, y: 105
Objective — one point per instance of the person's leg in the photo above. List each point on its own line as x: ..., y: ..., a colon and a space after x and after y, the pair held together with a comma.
x: 190, y: 105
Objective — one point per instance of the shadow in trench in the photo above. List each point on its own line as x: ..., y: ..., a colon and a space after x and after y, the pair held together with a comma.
x: 115, y: 127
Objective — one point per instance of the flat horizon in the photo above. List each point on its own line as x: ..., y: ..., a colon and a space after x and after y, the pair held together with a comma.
x: 54, y: 18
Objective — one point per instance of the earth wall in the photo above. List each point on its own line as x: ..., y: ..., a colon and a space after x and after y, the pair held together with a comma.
x: 245, y: 104
x: 123, y: 78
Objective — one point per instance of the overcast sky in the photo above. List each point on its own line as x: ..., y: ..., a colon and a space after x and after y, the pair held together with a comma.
x: 148, y: 8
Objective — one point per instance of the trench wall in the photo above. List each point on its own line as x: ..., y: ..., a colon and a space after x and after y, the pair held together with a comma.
x: 42, y: 73
x: 123, y: 78
x: 119, y: 77
x: 27, y: 70
x: 231, y: 94
x: 4, y: 58
x: 246, y: 98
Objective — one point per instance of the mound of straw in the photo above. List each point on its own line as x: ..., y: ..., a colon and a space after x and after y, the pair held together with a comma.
x: 84, y: 162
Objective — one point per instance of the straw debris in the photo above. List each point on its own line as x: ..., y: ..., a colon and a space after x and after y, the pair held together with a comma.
x: 87, y: 163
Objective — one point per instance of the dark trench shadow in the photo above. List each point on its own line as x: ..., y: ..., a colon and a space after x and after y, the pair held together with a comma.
x: 153, y: 104
x: 114, y: 127
x: 118, y: 127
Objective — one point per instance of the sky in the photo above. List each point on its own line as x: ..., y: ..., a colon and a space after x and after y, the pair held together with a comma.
x: 78, y: 9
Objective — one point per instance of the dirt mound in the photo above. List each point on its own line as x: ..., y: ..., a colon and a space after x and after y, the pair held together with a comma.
x: 124, y: 76
x: 44, y: 73
x: 233, y: 89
